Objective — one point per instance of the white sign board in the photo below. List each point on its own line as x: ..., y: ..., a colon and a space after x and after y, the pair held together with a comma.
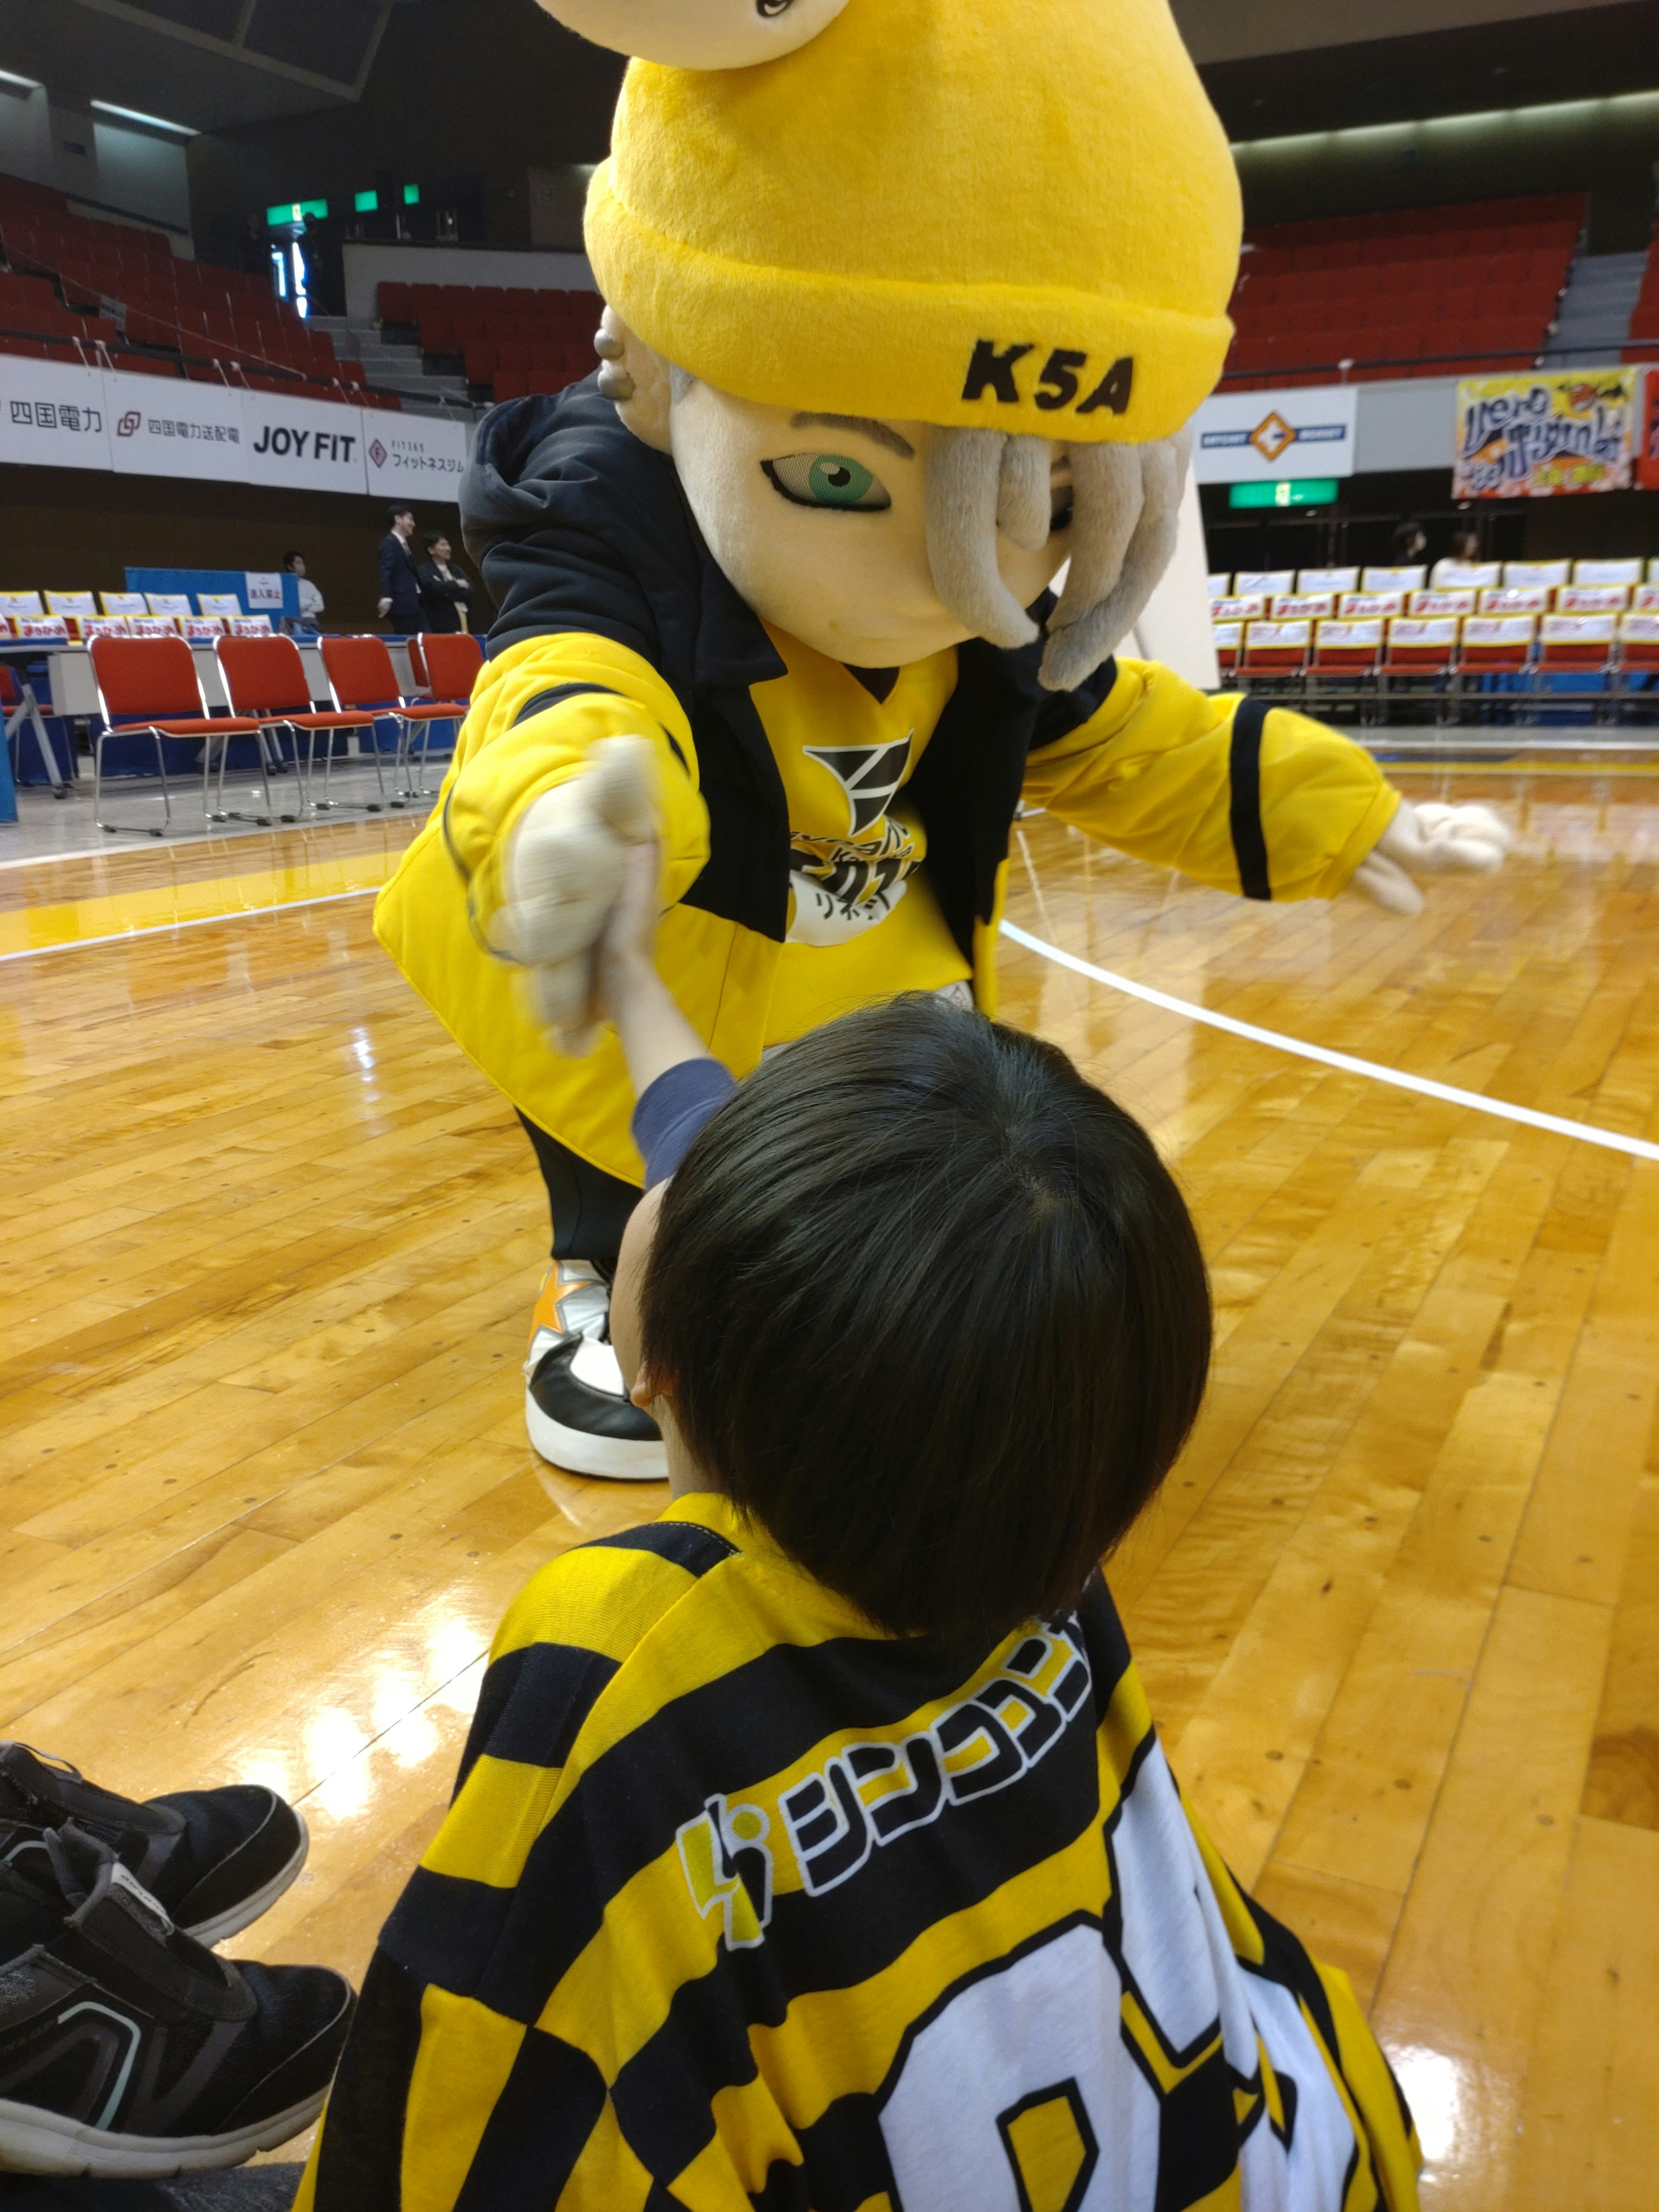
x: 162, y: 426
x: 264, y: 589
x: 413, y: 457
x: 1263, y: 437
x: 53, y: 415
x: 314, y: 445
x: 60, y: 416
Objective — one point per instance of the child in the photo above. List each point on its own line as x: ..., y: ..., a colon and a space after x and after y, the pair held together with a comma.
x: 813, y: 1846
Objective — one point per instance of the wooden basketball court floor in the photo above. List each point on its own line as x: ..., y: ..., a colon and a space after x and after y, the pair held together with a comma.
x: 264, y: 1489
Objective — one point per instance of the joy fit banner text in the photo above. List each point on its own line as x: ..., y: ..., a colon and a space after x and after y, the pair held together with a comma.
x: 1540, y: 433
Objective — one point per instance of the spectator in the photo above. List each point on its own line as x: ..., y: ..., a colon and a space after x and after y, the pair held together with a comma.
x: 311, y: 599
x: 400, y: 586
x: 1411, y: 544
x: 444, y: 591
x: 1466, y: 542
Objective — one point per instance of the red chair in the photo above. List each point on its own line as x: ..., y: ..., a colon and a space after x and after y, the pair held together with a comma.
x: 361, y: 674
x: 149, y: 687
x: 266, y: 678
x: 1345, y: 655
x: 1275, y: 654
x: 453, y: 659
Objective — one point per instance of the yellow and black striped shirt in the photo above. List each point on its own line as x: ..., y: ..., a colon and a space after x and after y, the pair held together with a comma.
x: 741, y: 1903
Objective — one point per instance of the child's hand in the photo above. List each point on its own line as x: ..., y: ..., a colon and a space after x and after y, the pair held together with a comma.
x: 628, y: 942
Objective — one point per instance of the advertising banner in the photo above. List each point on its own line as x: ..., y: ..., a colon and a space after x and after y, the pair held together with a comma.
x: 52, y: 415
x: 413, y: 457
x: 1544, y: 433
x: 56, y: 415
x: 162, y: 426
x: 1275, y: 437
x: 1647, y: 463
x: 312, y: 445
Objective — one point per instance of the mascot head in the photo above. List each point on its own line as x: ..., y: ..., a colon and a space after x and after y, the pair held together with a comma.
x: 919, y: 294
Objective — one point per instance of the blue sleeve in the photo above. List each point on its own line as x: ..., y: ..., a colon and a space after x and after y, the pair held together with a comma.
x: 672, y: 1111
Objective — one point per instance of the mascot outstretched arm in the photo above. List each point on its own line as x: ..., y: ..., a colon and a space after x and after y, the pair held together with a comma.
x: 909, y: 305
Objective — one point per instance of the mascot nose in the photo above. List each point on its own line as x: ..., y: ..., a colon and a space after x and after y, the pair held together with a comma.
x: 699, y: 34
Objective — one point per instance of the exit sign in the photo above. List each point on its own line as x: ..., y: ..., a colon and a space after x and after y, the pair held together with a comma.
x: 1289, y: 491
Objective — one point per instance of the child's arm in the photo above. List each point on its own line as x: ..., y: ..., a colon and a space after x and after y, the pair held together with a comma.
x: 677, y: 1081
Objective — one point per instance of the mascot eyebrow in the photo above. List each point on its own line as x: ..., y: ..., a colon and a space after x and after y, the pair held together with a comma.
x: 880, y: 433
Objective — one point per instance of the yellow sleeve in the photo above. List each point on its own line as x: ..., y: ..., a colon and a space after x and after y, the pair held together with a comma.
x: 537, y: 714
x: 1266, y: 803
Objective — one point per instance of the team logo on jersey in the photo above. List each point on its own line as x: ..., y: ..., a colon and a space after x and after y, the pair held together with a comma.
x: 728, y: 1869
x: 847, y: 884
x: 871, y: 775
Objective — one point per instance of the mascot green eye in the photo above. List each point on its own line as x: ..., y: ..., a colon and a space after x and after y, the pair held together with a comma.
x: 828, y: 480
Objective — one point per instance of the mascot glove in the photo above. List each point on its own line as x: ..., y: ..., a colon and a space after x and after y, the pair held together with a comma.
x: 567, y: 858
x: 1431, y: 840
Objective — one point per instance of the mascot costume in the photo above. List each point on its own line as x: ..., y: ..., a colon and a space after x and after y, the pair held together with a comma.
x: 909, y: 304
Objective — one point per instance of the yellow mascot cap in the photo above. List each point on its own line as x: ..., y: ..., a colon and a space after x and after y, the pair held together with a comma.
x: 1013, y: 214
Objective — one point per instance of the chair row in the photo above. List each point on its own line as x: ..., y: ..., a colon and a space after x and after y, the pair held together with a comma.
x: 1445, y: 575
x: 85, y: 614
x: 1437, y: 646
x: 151, y: 688
x: 1495, y: 599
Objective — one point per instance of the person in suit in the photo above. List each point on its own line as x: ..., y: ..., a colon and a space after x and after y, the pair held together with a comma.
x: 400, y: 606
x: 444, y: 591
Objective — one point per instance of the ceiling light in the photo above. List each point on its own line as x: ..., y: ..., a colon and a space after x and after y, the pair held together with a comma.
x: 22, y: 83
x: 136, y: 115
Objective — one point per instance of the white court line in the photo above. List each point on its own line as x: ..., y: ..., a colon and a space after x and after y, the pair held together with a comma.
x: 195, y: 922
x: 1586, y: 1131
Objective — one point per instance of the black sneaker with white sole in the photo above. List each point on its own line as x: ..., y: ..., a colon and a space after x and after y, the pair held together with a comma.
x: 576, y: 1405
x: 213, y: 1859
x: 129, y: 2051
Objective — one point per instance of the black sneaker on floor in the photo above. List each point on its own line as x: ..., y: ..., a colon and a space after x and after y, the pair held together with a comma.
x: 213, y: 1859
x: 128, y: 2051
x: 576, y: 1406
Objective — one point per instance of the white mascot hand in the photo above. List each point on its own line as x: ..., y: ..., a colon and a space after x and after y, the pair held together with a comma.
x: 1431, y: 840
x: 565, y: 869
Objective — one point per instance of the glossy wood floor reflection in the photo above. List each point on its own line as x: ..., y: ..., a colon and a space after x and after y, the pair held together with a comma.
x: 264, y: 1491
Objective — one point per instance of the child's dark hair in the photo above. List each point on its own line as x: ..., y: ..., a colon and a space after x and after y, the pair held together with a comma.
x: 934, y: 1312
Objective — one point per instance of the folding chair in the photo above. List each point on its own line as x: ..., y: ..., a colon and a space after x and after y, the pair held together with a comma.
x: 453, y: 659
x: 1516, y: 600
x: 1420, y: 656
x: 1494, y: 651
x: 21, y: 709
x: 1434, y: 605
x: 149, y: 687
x: 361, y: 674
x: 1343, y: 670
x: 1275, y: 655
x: 1575, y: 658
x: 265, y: 681
x: 1637, y: 681
x: 1370, y: 606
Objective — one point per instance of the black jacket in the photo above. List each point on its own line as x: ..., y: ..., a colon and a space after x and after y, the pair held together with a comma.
x: 442, y: 597
x: 399, y: 583
x: 578, y: 526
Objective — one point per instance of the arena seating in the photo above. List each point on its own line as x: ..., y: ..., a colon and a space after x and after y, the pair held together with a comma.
x: 1645, y: 323
x: 113, y: 295
x: 1538, y: 628
x: 1431, y: 291
x: 513, y: 340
